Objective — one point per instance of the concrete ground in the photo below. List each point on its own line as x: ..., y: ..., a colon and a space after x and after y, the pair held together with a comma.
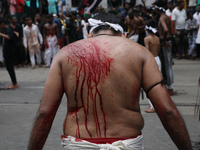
x: 18, y: 109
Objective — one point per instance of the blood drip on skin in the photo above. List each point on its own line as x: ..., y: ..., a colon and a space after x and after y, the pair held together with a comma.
x: 93, y: 65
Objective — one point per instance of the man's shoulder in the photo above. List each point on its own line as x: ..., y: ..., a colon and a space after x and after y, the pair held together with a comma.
x: 25, y: 27
x: 174, y: 10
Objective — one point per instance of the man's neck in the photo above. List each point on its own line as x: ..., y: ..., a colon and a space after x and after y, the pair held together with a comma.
x: 104, y: 32
x: 29, y: 25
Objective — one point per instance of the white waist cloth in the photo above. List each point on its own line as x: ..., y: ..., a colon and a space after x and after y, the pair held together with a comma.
x: 134, y: 37
x: 158, y: 62
x: 71, y: 143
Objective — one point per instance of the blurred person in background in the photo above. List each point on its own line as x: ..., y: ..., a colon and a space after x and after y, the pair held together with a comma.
x: 33, y: 41
x: 84, y: 23
x: 8, y: 51
x: 51, y: 40
x: 191, y: 27
x: 179, y: 19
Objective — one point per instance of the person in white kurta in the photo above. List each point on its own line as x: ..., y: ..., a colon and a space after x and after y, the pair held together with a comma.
x: 31, y: 36
x: 198, y: 38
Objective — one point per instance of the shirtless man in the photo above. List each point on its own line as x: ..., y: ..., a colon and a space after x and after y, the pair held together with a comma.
x: 130, y: 23
x: 136, y: 26
x: 102, y: 77
x: 51, y: 38
x: 140, y: 28
x: 152, y: 43
x: 164, y: 26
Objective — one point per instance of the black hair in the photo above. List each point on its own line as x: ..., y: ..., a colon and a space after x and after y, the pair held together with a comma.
x: 179, y: 2
x: 50, y: 16
x: 170, y: 3
x: 26, y: 17
x: 107, y: 17
x: 43, y: 15
x: 72, y: 13
x: 2, y: 20
x: 126, y: 3
x: 12, y: 16
x: 151, y: 23
x: 159, y: 3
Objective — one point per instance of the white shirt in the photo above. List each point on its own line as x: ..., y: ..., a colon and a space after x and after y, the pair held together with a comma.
x: 168, y: 12
x: 180, y: 18
x: 198, y: 33
x: 31, y: 36
x: 196, y: 16
x: 84, y: 29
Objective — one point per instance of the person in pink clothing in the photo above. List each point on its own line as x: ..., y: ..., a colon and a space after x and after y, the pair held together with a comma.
x: 13, y: 4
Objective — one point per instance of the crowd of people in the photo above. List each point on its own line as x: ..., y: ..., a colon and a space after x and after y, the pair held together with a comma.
x: 33, y: 35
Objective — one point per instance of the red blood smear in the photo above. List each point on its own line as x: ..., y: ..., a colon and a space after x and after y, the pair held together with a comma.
x: 93, y: 65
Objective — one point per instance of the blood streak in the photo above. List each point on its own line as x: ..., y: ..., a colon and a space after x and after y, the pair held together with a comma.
x: 93, y: 66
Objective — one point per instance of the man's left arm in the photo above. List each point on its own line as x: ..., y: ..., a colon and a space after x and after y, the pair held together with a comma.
x: 166, y: 30
x: 57, y: 34
x: 52, y: 95
x: 164, y: 106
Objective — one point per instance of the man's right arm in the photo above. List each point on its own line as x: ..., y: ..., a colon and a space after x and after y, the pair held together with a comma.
x: 164, y: 106
x: 52, y: 95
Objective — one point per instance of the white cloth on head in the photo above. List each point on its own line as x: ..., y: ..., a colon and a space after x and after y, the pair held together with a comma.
x: 71, y: 143
x: 160, y: 8
x: 96, y: 23
x: 151, y: 29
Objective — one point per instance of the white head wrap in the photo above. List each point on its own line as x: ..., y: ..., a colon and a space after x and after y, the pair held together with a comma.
x: 160, y: 8
x: 151, y: 29
x: 96, y: 23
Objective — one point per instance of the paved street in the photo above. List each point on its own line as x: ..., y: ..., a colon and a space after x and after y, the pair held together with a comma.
x: 18, y: 109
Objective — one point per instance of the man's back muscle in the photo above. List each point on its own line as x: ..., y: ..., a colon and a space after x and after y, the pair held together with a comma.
x: 102, y: 80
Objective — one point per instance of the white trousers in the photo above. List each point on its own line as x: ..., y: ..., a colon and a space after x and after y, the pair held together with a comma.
x: 71, y: 143
x: 34, y: 50
x: 157, y: 59
x: 51, y: 49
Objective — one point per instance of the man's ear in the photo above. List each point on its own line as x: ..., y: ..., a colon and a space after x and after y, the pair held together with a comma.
x: 124, y: 35
x: 89, y: 35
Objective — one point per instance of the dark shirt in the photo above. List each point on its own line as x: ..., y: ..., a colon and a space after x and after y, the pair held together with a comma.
x: 41, y: 26
x: 8, y: 46
x: 33, y: 4
x: 71, y: 31
x: 3, y: 6
x: 18, y: 40
x: 59, y: 24
x: 147, y: 17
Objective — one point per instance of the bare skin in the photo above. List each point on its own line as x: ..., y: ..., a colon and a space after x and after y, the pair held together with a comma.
x: 140, y: 24
x: 112, y: 70
x: 152, y: 43
x: 164, y: 26
x: 130, y: 22
x: 50, y: 29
